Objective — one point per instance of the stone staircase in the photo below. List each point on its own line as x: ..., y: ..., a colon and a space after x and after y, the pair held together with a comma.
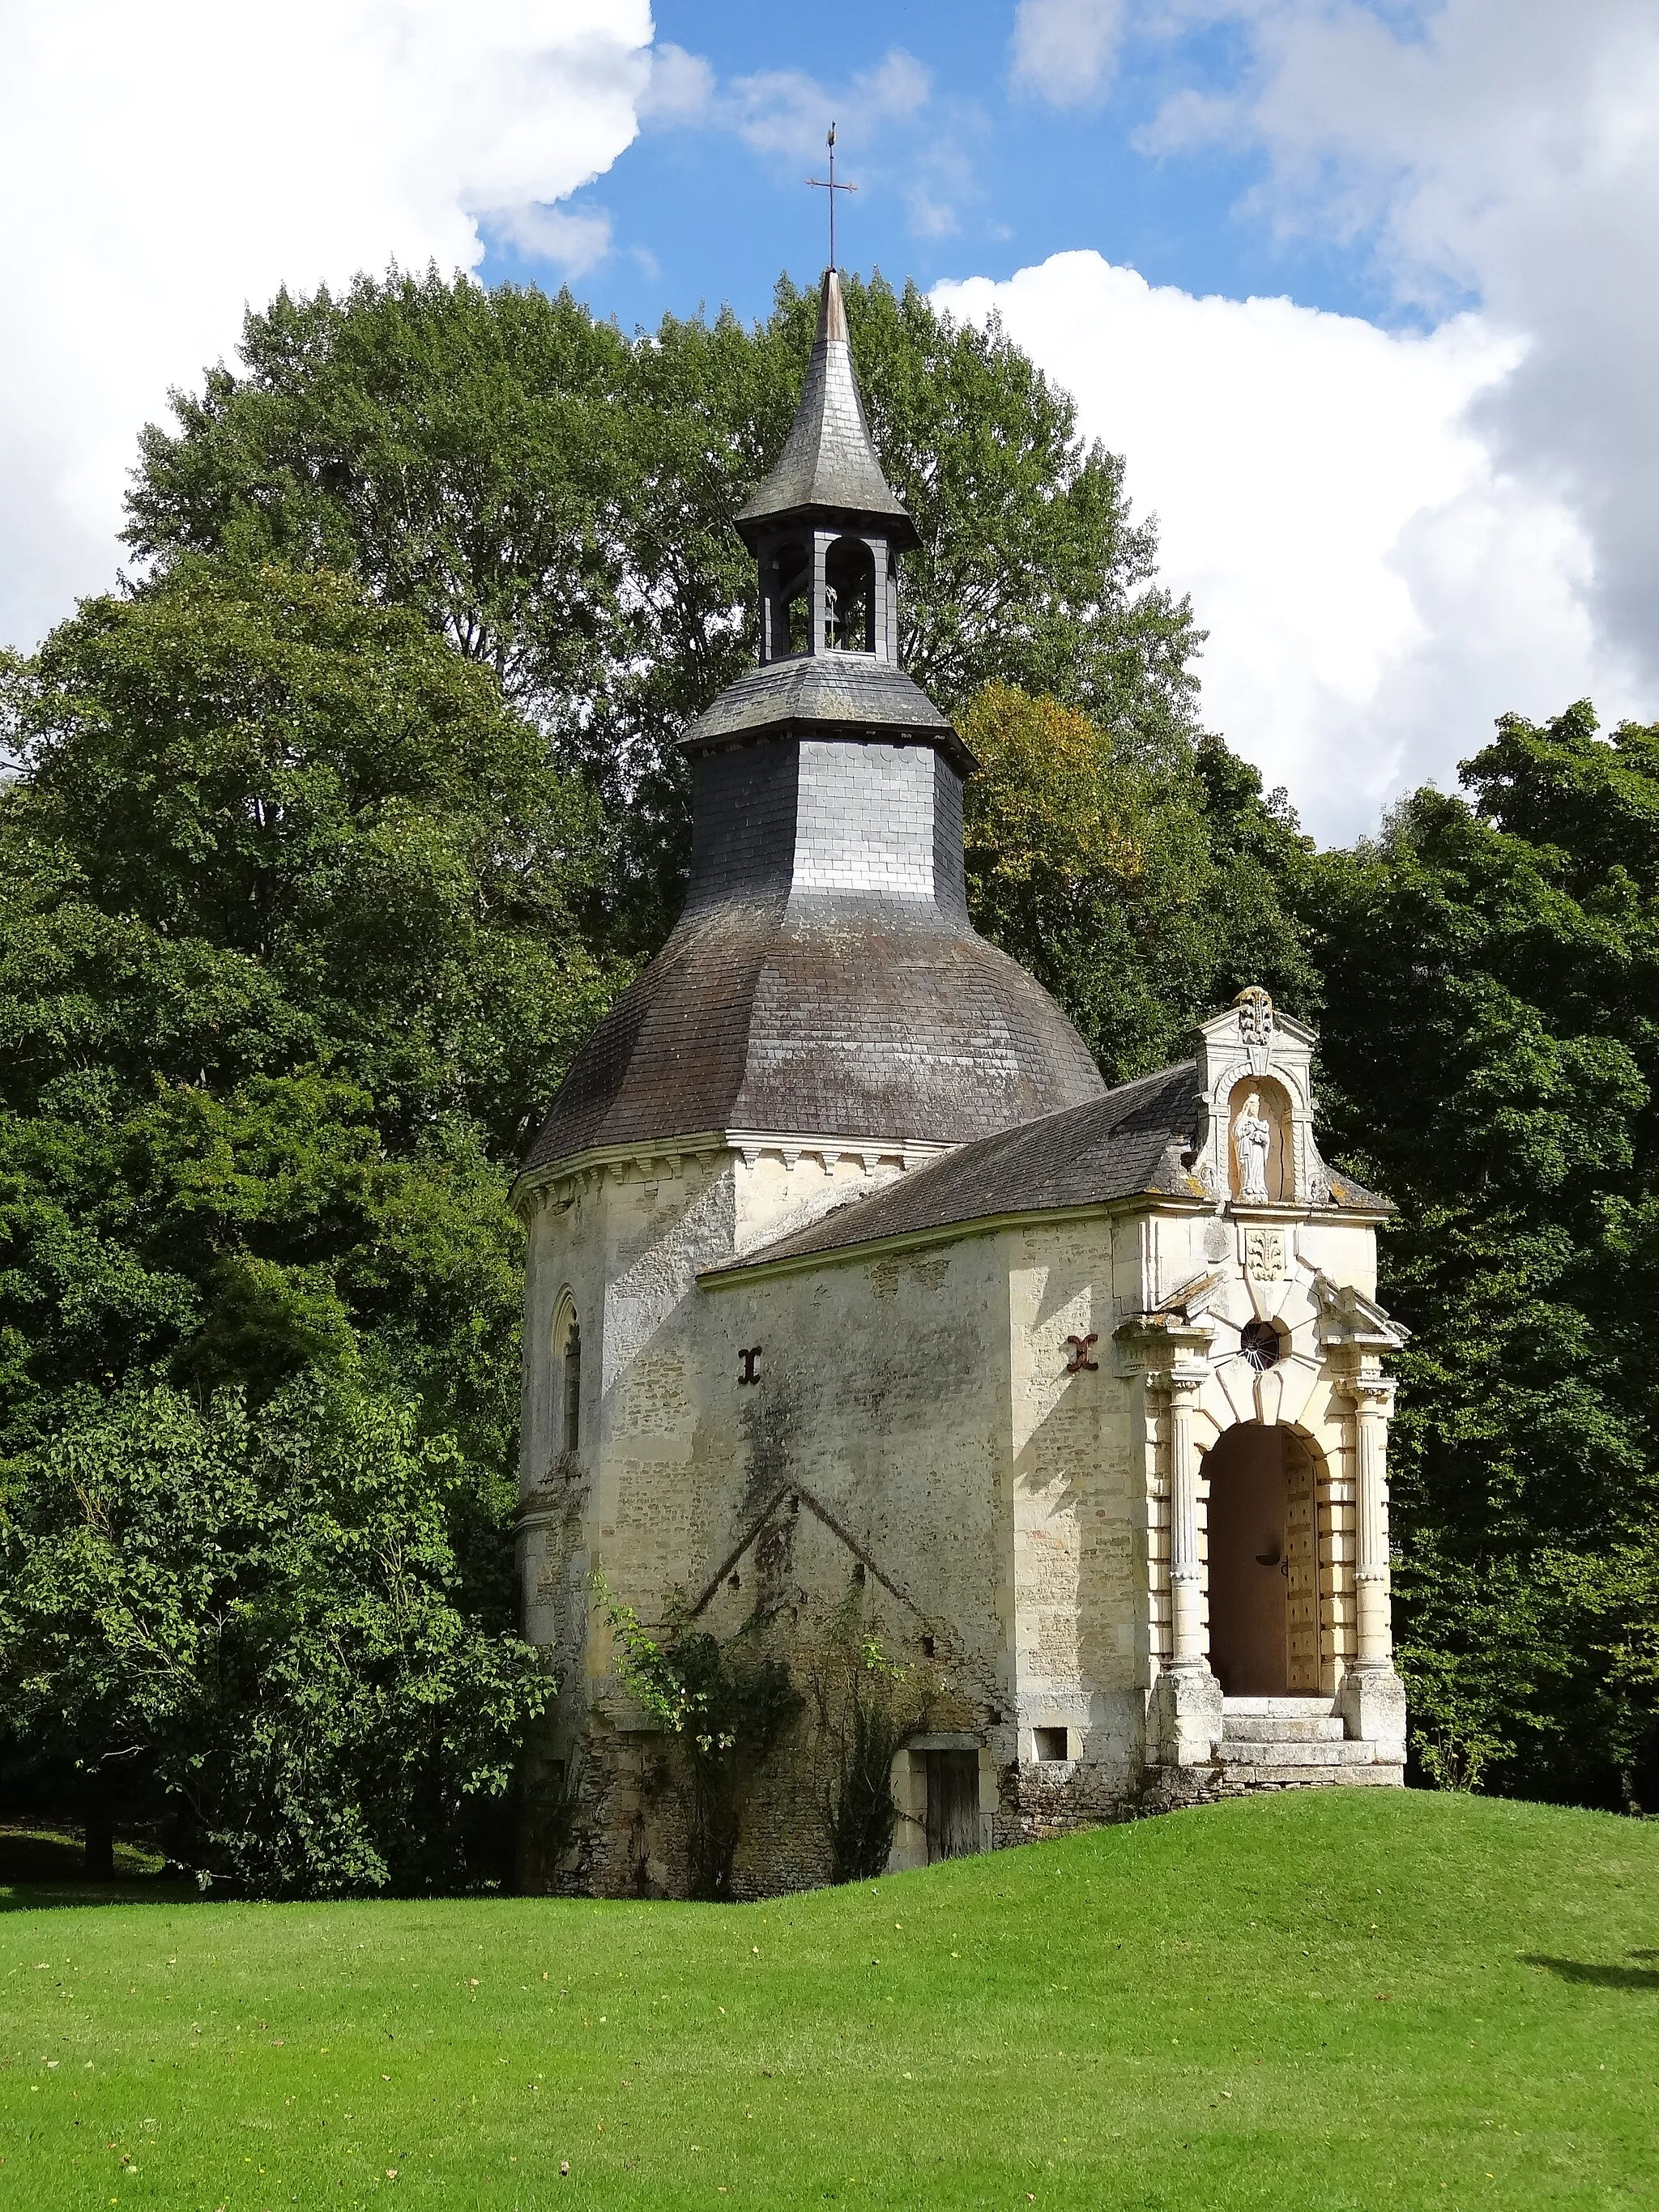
x: 1269, y: 1743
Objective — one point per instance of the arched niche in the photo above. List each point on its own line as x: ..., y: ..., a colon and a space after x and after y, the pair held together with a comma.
x: 849, y: 597
x: 567, y: 1350
x: 1260, y: 1127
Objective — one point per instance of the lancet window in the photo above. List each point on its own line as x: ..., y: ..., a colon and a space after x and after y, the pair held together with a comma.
x: 567, y: 1381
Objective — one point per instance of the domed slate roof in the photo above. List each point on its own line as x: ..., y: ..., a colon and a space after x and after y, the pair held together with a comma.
x: 820, y: 1017
x: 824, y: 980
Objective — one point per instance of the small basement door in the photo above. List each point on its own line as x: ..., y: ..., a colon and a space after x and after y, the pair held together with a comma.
x: 952, y: 1804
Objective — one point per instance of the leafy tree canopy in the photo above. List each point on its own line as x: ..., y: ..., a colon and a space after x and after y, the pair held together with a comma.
x: 287, y: 971
x: 1491, y: 1057
x: 1143, y: 889
x: 556, y: 502
x: 277, y: 1622
x: 288, y: 967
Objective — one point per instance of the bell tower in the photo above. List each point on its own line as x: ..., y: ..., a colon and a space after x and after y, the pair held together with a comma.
x: 825, y: 526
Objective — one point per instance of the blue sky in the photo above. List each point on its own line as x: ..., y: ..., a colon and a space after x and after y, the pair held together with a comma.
x: 982, y: 177
x: 1363, y: 290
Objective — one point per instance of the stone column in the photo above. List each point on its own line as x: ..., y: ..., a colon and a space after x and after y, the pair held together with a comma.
x: 1188, y: 1645
x: 1187, y: 1698
x: 1373, y: 1403
x: 1372, y: 1697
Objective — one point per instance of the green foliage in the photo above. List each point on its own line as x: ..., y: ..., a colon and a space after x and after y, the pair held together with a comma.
x: 729, y: 1704
x: 287, y: 969
x: 556, y: 503
x: 1144, y: 887
x: 287, y: 972
x: 868, y: 1706
x: 1491, y: 1043
x: 283, y: 1626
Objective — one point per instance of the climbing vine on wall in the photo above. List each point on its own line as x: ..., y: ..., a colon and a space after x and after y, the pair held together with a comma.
x: 729, y: 1704
x: 868, y: 1707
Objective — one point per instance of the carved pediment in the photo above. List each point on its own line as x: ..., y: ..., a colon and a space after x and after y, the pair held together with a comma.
x: 1254, y: 1107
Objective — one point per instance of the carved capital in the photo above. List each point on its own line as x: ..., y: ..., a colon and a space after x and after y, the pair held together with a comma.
x: 1371, y: 1394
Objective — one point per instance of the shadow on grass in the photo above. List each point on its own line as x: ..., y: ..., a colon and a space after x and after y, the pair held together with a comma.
x: 1601, y: 1978
x: 42, y: 1865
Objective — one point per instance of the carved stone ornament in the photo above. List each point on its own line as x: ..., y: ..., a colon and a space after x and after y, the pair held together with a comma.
x: 1264, y: 1254
x: 1346, y: 1315
x: 1255, y: 1016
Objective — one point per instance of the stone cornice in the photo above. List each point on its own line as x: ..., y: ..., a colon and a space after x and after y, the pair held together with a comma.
x: 669, y: 1154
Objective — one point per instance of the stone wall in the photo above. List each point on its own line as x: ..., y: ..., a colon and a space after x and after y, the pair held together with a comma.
x: 962, y: 1429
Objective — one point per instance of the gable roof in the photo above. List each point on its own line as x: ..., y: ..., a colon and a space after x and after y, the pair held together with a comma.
x: 1127, y: 1144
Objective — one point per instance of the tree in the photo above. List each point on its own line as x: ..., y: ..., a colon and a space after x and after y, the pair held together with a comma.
x: 558, y: 503
x: 288, y: 971
x: 1143, y: 889
x: 271, y: 1626
x: 1491, y: 1044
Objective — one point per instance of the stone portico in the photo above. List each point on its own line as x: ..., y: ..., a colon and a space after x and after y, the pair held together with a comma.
x: 849, y: 1282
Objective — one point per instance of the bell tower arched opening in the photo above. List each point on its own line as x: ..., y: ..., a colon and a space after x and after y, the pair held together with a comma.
x: 1263, y: 1561
x: 849, y: 597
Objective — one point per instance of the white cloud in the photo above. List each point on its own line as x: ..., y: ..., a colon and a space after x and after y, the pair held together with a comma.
x: 1377, y: 584
x: 573, y: 240
x: 164, y: 165
x: 681, y: 89
x: 1064, y: 49
x: 1506, y: 149
x: 785, y: 112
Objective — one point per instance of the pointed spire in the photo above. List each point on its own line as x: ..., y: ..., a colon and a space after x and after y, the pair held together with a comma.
x: 828, y: 462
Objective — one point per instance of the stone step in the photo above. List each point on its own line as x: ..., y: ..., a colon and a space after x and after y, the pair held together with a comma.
x: 1244, y: 1751
x: 1232, y: 1779
x: 1281, y: 1708
x: 1280, y: 1728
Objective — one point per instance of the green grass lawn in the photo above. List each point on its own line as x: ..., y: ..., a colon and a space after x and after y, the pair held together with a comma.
x: 1353, y: 1998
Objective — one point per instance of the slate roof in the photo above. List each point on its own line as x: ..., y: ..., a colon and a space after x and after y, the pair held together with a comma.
x: 862, y: 1005
x: 828, y: 461
x: 825, y: 1016
x: 1127, y: 1144
x: 827, y: 690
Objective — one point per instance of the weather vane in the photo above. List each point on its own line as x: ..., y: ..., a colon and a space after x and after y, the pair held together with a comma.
x: 829, y: 185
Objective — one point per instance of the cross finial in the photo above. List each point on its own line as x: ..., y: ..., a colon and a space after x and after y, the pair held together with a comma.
x: 829, y: 185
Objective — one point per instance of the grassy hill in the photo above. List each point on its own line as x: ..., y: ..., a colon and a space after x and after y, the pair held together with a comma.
x: 1350, y: 1999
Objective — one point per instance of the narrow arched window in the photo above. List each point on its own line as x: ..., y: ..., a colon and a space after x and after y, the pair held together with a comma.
x: 567, y: 1381
x: 849, y: 597
x: 572, y: 1379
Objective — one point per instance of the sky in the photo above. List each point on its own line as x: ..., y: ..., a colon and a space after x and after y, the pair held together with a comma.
x: 1363, y: 290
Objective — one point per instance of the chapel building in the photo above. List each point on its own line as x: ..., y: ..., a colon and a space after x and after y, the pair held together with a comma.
x: 850, y: 1282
